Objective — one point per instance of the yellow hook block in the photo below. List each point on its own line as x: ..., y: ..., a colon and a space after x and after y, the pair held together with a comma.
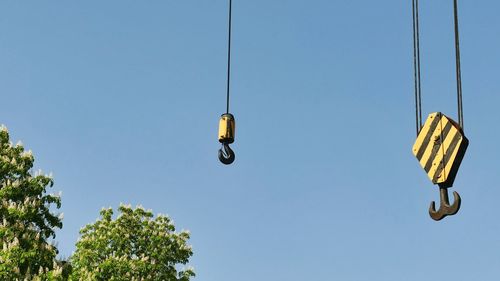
x: 227, y: 127
x: 440, y: 148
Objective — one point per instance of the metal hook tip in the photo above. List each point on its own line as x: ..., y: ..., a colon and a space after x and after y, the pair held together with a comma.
x: 435, y: 215
x: 453, y: 209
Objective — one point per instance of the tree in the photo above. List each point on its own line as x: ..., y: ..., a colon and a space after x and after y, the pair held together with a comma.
x: 26, y: 220
x: 134, y: 246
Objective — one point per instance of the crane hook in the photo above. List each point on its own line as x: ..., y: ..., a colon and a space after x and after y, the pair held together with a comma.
x: 445, y: 209
x: 226, y: 154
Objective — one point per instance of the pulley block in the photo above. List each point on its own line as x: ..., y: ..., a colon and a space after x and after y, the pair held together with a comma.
x: 227, y: 128
x: 440, y: 148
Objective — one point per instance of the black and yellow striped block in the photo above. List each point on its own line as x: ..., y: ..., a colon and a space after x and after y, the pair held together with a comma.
x: 440, y: 148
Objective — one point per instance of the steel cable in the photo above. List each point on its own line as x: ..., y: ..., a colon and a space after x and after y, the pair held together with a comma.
x: 229, y: 56
x: 416, y: 66
x: 458, y: 67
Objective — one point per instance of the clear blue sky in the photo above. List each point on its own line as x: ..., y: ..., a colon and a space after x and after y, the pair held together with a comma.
x: 121, y: 101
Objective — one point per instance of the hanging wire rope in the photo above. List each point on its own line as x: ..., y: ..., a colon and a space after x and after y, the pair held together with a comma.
x: 416, y: 66
x: 229, y: 56
x: 458, y: 67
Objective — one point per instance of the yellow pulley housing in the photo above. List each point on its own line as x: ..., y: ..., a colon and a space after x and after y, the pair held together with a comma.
x: 440, y: 148
x: 227, y: 127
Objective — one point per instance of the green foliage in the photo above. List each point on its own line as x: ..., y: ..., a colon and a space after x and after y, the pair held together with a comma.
x: 26, y: 221
x: 134, y: 246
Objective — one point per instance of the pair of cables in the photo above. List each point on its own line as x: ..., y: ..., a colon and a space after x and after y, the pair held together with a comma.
x: 417, y: 72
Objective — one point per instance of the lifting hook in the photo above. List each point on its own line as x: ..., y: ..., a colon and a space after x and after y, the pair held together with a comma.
x: 445, y: 209
x: 226, y: 154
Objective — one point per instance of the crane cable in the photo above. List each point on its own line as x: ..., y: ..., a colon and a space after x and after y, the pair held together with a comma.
x: 416, y: 66
x: 416, y: 62
x: 458, y: 67
x: 229, y: 56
